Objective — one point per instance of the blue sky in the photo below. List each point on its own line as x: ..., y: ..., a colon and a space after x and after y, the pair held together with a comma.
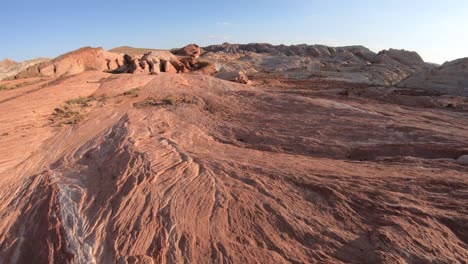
x: 436, y: 29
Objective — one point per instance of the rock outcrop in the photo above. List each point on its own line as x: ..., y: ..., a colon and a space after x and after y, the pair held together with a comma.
x: 74, y: 62
x: 396, y: 57
x: 164, y: 61
x: 450, y: 78
x: 233, y: 76
x: 88, y: 58
x: 191, y: 50
x: 152, y: 62
x: 9, y: 68
x: 167, y: 66
x: 350, y: 63
x: 145, y: 64
x: 359, y: 52
x: 7, y: 63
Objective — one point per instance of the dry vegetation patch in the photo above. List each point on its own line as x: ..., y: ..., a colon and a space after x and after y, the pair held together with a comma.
x: 135, y: 92
x: 4, y: 87
x: 72, y: 112
x: 166, y: 101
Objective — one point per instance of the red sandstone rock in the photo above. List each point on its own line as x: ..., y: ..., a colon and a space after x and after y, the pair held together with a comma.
x: 75, y: 62
x: 191, y: 50
x: 175, y: 168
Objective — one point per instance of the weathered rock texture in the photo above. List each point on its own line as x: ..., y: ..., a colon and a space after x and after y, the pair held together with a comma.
x: 75, y: 62
x: 188, y: 168
x: 233, y: 76
x: 191, y: 50
x: 450, y: 78
x: 352, y: 63
x: 159, y: 61
x: 88, y: 58
x: 9, y: 68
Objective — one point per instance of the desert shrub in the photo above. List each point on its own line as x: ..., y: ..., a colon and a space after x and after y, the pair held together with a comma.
x: 166, y: 101
x: 169, y: 100
x: 81, y: 101
x: 135, y: 92
x: 72, y: 112
x: 102, y: 98
x: 150, y: 101
x: 3, y: 87
x: 66, y: 116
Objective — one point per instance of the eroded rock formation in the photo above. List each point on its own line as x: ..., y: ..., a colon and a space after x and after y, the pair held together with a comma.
x: 159, y: 61
x: 191, y: 50
x: 9, y: 68
x: 449, y: 78
x: 74, y: 62
x: 351, y: 63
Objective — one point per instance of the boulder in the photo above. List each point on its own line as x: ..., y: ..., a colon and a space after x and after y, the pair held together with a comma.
x: 233, y: 76
x: 463, y: 160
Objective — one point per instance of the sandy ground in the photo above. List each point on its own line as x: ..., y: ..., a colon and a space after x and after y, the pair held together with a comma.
x: 192, y: 169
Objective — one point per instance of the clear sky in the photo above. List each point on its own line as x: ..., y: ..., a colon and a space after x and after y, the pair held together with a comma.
x: 436, y: 29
